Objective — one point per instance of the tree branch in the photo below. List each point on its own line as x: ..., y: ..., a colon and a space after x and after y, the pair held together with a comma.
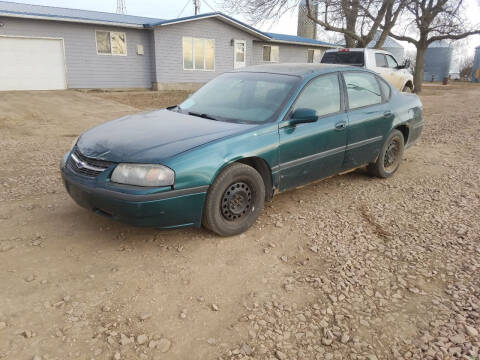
x: 404, y: 38
x: 453, y: 36
x: 330, y: 27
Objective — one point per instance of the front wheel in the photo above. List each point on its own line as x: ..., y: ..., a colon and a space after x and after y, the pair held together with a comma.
x: 407, y: 89
x: 390, y: 156
x: 234, y: 201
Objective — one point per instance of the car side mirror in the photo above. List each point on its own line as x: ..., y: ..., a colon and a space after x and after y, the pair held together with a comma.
x: 303, y: 115
x: 406, y: 64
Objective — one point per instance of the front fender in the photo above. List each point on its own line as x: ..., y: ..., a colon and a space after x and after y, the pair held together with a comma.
x: 200, y: 166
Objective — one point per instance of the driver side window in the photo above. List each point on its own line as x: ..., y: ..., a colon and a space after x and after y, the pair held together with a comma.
x: 322, y: 95
x: 392, y: 63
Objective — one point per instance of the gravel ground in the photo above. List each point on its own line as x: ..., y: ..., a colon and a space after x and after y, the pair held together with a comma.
x: 348, y: 268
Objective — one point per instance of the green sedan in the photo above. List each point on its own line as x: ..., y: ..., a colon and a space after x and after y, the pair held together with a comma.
x: 246, y: 135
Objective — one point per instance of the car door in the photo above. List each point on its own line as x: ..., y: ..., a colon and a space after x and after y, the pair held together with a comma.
x: 314, y: 150
x: 396, y: 74
x: 381, y: 66
x: 369, y: 118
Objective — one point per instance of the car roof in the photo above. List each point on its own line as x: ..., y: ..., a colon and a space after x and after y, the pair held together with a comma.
x: 297, y: 69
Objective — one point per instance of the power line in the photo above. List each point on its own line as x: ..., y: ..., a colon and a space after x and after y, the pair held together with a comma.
x: 210, y: 6
x: 181, y: 12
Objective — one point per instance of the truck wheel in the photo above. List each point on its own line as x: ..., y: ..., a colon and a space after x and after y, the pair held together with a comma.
x: 234, y: 201
x: 390, y: 156
x: 407, y: 89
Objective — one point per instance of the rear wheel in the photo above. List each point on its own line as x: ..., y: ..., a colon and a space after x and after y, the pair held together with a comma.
x: 234, y: 201
x: 408, y: 89
x: 390, y: 156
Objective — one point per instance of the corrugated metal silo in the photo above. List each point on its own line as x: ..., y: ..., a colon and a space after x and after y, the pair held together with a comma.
x: 390, y: 45
x: 476, y: 65
x: 438, y: 58
x: 306, y: 27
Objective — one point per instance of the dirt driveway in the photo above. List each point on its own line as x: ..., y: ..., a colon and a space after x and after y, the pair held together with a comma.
x: 348, y: 268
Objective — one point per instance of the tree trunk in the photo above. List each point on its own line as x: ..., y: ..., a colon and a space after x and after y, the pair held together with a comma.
x: 419, y: 66
x: 381, y: 39
x: 350, y: 11
x: 349, y: 42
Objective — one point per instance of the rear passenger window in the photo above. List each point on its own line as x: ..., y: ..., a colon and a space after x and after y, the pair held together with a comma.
x: 385, y: 88
x: 362, y: 89
x: 321, y: 95
x: 380, y: 60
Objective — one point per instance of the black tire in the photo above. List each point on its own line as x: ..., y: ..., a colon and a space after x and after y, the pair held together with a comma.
x: 390, y: 156
x: 407, y: 89
x: 234, y: 201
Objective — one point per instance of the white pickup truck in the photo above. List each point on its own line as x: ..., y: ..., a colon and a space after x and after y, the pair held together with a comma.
x: 380, y: 61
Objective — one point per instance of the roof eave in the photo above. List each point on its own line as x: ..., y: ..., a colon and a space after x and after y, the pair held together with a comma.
x: 305, y: 43
x: 73, y: 20
x: 220, y: 17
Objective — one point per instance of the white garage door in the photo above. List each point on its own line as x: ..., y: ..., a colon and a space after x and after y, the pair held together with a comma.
x: 31, y: 64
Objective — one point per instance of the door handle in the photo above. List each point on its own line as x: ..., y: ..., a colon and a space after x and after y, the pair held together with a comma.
x: 387, y: 114
x: 341, y: 125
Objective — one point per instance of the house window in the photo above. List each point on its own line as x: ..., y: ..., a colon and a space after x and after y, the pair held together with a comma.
x: 270, y: 53
x: 111, y: 43
x: 198, y: 54
x: 314, y: 55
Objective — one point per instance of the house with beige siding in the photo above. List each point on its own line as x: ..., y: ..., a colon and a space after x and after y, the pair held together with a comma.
x: 48, y: 48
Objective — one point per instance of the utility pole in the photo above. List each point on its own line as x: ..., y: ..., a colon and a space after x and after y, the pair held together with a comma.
x: 196, y: 4
x: 121, y: 7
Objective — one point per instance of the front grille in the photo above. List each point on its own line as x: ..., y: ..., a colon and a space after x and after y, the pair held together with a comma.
x: 86, y: 166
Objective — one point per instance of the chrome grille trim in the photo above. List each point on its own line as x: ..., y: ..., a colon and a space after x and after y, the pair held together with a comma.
x: 80, y: 164
x: 83, y: 164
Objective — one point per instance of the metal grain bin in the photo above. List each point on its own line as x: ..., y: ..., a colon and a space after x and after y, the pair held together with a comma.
x: 438, y: 58
x: 476, y: 65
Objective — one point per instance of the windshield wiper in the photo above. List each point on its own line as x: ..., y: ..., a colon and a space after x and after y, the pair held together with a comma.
x: 176, y: 108
x: 205, y: 116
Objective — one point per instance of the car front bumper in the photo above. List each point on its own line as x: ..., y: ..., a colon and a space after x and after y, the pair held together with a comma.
x: 167, y: 209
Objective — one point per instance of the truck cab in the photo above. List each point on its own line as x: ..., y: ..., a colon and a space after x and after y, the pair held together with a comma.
x: 380, y: 61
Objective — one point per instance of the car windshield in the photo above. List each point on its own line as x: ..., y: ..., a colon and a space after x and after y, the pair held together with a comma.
x: 241, y: 97
x: 354, y: 58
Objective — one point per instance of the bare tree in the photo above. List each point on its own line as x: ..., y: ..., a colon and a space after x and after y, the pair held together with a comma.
x: 411, y: 55
x: 433, y: 20
x: 466, y: 67
x: 357, y: 20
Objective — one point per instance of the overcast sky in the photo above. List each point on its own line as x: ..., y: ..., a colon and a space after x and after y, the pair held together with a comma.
x: 167, y: 9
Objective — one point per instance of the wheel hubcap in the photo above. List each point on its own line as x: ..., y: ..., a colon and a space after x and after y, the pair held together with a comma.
x: 236, y: 201
x: 392, y: 154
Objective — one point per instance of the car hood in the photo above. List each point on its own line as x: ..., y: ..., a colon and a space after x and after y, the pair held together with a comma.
x: 152, y: 137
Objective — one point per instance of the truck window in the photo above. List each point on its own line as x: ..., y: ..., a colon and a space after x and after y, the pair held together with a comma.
x: 355, y: 58
x: 380, y: 60
x: 392, y: 63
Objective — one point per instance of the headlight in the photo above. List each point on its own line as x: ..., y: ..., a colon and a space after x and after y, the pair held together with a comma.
x: 143, y: 175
